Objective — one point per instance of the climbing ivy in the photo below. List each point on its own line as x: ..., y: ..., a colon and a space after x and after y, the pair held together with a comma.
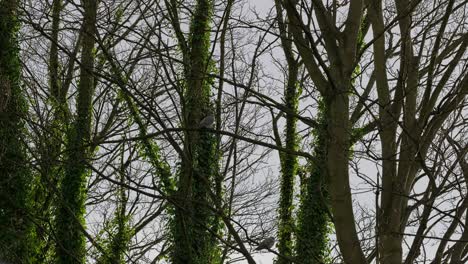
x: 16, y: 233
x: 149, y: 149
x: 289, y: 168
x: 314, y: 225
x: 119, y: 232
x: 71, y: 242
x: 198, y: 180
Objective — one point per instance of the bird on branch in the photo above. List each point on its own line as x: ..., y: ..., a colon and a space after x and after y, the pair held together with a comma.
x: 207, y: 121
x: 267, y: 243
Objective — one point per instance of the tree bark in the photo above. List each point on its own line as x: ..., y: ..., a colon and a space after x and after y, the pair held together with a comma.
x: 51, y: 144
x: 334, y: 86
x: 194, y: 220
x: 16, y: 236
x: 289, y: 163
x: 71, y: 242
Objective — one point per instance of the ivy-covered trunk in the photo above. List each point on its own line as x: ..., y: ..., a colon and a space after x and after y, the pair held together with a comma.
x: 289, y: 167
x: 119, y: 231
x: 70, y: 220
x: 313, y: 221
x: 334, y: 83
x: 193, y: 241
x: 15, y: 177
x: 50, y: 147
x: 289, y: 163
x: 58, y: 99
x: 314, y: 224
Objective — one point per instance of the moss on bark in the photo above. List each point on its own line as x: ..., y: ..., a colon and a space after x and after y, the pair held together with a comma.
x: 16, y: 233
x: 70, y: 220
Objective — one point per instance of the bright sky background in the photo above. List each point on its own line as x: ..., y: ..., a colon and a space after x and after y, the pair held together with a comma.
x: 365, y: 199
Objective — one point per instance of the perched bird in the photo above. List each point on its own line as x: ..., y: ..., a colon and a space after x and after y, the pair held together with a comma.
x: 207, y: 121
x: 267, y: 243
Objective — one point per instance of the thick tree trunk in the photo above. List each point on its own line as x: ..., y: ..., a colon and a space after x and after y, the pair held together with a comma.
x: 388, y: 126
x: 70, y: 219
x: 334, y: 86
x: 337, y: 158
x: 314, y: 225
x: 15, y: 178
x: 193, y: 242
x: 393, y: 185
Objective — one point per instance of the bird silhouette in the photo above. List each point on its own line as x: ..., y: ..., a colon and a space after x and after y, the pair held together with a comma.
x: 207, y: 121
x: 267, y: 243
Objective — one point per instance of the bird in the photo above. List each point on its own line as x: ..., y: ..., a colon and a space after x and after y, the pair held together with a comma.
x: 207, y: 121
x: 267, y: 243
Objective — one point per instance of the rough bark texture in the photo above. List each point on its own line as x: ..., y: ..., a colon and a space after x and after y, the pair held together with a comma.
x: 314, y: 223
x: 334, y: 84
x: 15, y: 178
x: 51, y: 145
x: 193, y: 242
x: 70, y: 219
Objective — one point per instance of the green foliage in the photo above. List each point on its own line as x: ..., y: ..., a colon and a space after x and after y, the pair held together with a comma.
x: 16, y: 233
x: 206, y: 171
x: 199, y: 181
x: 42, y: 198
x: 119, y: 234
x: 119, y: 13
x: 198, y: 57
x: 200, y: 29
x: 194, y: 224
x: 70, y: 220
x: 119, y: 242
x: 71, y: 208
x: 45, y: 185
x: 289, y: 169
x: 149, y: 149
x: 314, y: 224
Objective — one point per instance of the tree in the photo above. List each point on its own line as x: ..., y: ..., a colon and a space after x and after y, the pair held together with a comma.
x: 193, y: 221
x: 334, y: 86
x: 289, y: 163
x: 402, y: 159
x: 70, y: 246
x: 16, y: 235
x: 51, y: 141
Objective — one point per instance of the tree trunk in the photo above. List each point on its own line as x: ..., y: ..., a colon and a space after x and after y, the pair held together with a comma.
x: 314, y: 225
x: 289, y: 163
x: 193, y: 242
x: 52, y: 138
x: 334, y: 84
x: 15, y: 228
x: 70, y: 219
